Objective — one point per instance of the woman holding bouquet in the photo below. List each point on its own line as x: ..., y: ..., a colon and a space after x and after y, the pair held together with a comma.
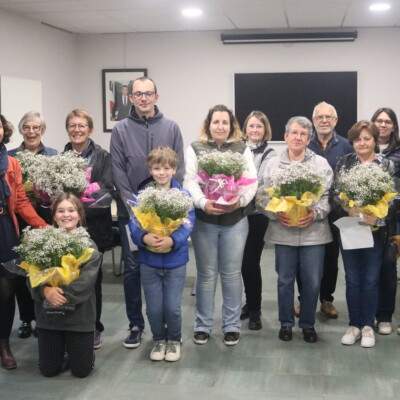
x: 221, y: 230
x: 301, y: 242
x: 12, y: 200
x: 66, y: 314
x: 32, y: 127
x: 385, y: 120
x: 257, y: 132
x: 79, y: 125
x: 362, y: 266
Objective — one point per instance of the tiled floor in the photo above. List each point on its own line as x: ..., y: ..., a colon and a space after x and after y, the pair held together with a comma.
x: 259, y: 367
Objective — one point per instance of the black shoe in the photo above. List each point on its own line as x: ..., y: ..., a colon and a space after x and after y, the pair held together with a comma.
x: 309, y: 334
x: 24, y: 330
x: 245, y: 312
x: 285, y: 333
x: 255, y: 320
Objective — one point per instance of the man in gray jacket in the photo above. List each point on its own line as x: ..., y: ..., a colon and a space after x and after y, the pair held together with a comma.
x: 131, y: 140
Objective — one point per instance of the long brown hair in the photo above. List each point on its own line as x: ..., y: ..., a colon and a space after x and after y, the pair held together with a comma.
x: 75, y: 202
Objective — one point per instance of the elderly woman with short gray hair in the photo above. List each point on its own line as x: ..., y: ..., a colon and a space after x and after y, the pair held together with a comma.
x: 302, y: 245
x: 32, y: 127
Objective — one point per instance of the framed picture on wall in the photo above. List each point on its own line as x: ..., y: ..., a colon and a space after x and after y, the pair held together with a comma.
x: 117, y: 86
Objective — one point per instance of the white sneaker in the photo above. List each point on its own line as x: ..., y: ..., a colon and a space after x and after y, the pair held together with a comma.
x: 158, y: 352
x: 351, y: 336
x: 368, y: 337
x: 173, y: 351
x: 385, y: 328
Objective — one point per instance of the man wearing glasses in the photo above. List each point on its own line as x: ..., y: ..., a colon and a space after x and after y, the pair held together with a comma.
x: 131, y: 140
x: 327, y: 143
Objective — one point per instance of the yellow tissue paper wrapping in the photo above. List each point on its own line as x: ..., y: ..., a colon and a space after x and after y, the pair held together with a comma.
x: 380, y: 209
x: 151, y: 223
x: 291, y: 206
x: 57, y: 276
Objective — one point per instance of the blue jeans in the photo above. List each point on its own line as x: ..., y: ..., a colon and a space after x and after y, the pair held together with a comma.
x: 311, y: 262
x: 362, y: 268
x: 163, y: 289
x: 132, y: 286
x: 219, y: 249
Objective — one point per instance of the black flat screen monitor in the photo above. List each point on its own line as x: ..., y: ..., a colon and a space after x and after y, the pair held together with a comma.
x: 284, y: 95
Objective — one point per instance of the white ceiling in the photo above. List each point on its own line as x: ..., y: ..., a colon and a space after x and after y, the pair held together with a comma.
x: 116, y: 16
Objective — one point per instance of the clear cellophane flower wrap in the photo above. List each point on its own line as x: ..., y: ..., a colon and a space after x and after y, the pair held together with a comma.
x: 160, y: 211
x: 291, y: 206
x: 57, y: 276
x: 224, y: 189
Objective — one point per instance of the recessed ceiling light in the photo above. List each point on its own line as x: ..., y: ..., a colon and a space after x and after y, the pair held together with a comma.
x: 379, y: 7
x: 192, y: 12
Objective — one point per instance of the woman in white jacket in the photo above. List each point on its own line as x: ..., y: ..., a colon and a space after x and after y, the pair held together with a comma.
x: 301, y: 245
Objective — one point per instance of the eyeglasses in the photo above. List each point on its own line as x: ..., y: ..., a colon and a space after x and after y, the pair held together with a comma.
x: 149, y: 94
x: 34, y: 128
x: 384, y: 121
x: 327, y: 117
x: 81, y: 127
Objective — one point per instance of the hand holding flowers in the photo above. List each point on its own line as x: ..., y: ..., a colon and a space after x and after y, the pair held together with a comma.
x: 366, y: 190
x: 221, y: 177
x: 52, y: 256
x: 160, y: 212
x: 294, y: 190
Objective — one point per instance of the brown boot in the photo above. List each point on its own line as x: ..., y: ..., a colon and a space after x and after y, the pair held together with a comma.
x: 7, y: 359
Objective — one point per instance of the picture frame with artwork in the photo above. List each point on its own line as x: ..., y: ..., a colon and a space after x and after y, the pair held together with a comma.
x: 117, y: 86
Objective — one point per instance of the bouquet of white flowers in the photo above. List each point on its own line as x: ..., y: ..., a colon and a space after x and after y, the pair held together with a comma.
x: 161, y: 211
x: 52, y: 255
x: 221, y: 176
x: 294, y: 189
x: 368, y: 187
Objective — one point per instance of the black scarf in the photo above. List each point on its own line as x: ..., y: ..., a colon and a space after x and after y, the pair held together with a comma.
x: 5, y: 191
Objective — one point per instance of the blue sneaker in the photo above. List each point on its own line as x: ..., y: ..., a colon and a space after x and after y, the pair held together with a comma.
x: 134, y: 338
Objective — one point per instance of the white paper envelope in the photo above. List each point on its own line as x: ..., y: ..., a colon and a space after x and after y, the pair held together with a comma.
x: 354, y: 235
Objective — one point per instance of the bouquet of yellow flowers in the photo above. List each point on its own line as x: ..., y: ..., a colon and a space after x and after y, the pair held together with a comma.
x: 52, y: 256
x: 294, y: 189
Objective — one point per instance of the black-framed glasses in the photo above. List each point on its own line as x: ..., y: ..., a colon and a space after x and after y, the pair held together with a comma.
x: 384, y: 121
x: 149, y: 94
x: 34, y: 128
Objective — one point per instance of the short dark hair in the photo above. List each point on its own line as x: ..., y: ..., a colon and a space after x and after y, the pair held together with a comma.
x: 163, y: 155
x: 355, y: 131
x: 144, y: 79
x: 7, y: 129
x: 77, y: 204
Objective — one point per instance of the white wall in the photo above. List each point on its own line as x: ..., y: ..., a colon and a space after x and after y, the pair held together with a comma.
x: 194, y: 71
x: 30, y: 50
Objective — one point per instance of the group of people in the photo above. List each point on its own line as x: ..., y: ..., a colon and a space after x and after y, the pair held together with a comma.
x: 147, y: 149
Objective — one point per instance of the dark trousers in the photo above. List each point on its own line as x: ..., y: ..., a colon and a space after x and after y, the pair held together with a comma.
x: 330, y: 272
x: 52, y: 347
x: 24, y: 300
x: 387, y: 285
x: 251, y: 270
